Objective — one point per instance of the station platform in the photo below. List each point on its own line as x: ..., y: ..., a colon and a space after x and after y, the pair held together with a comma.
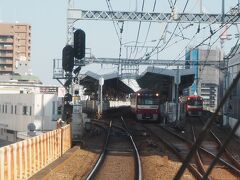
x: 74, y: 164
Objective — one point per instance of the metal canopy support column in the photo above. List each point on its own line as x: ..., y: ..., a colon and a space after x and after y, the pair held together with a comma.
x: 177, y: 81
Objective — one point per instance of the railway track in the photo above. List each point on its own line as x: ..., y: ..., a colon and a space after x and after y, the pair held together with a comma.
x: 203, y: 153
x: 227, y: 153
x: 173, y: 148
x: 105, y: 156
x: 227, y: 158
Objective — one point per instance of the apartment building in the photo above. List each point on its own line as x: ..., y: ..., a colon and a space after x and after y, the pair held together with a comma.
x: 15, y: 46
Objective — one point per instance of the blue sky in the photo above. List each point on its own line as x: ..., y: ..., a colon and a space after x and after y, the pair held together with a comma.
x: 48, y: 20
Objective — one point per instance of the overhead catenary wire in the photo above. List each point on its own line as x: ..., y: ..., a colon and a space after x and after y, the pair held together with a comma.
x: 233, y: 20
x: 149, y: 26
x: 152, y: 52
x: 114, y: 23
x: 207, y: 127
x: 156, y: 47
x: 205, y: 130
x: 138, y: 32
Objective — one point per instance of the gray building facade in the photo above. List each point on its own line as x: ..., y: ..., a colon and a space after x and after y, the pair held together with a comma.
x: 208, y: 78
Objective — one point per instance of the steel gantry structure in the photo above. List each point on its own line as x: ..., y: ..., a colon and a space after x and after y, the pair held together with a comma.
x: 74, y: 15
x: 78, y: 14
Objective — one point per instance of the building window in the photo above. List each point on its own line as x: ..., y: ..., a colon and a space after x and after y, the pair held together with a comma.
x: 11, y: 109
x: 30, y: 110
x: 5, y: 108
x: 15, y: 109
x: 24, y: 110
x: 53, y: 107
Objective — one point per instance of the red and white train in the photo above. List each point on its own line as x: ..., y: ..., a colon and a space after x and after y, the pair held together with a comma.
x: 145, y: 104
x: 191, y: 106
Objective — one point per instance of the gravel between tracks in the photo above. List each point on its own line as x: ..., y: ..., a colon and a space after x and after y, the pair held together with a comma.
x: 78, y: 165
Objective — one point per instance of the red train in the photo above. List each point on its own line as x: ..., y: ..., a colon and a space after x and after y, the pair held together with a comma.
x: 191, y: 106
x: 145, y: 104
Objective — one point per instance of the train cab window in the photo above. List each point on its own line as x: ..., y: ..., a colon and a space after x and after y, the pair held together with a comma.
x: 194, y: 102
x: 148, y: 101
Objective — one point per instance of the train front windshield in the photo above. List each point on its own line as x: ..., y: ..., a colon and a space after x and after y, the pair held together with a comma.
x: 195, y: 102
x: 148, y: 100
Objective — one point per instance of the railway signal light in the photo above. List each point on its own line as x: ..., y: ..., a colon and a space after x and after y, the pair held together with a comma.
x: 59, y: 110
x: 67, y: 97
x: 68, y: 58
x: 67, y: 112
x: 79, y: 44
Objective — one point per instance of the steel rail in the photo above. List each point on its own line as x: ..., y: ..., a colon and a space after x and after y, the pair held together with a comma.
x: 138, y: 170
x: 198, y: 157
x: 114, y: 126
x: 101, y: 157
x: 191, y: 168
x: 227, y: 152
x: 230, y: 166
x: 207, y: 126
x: 138, y: 174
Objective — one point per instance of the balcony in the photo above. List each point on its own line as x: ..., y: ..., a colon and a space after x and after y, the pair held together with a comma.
x: 6, y: 55
x: 3, y: 62
x: 6, y: 47
x: 6, y: 40
x: 6, y: 69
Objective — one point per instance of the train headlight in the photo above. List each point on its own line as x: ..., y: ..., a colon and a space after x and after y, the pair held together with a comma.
x: 157, y: 94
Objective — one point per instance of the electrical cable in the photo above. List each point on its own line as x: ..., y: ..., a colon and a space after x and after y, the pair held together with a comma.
x: 109, y: 8
x: 156, y: 47
x: 174, y: 61
x: 205, y: 130
x: 149, y: 26
x: 151, y: 53
x: 138, y: 33
x: 214, y: 32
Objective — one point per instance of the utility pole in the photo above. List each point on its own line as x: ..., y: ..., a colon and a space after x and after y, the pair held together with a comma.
x: 201, y: 11
x: 136, y: 7
x: 70, y: 23
x: 223, y: 11
x: 100, y: 97
x: 238, y: 6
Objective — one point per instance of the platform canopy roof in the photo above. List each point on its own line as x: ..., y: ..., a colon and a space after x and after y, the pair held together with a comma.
x: 113, y: 86
x: 162, y: 80
x: 152, y: 78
